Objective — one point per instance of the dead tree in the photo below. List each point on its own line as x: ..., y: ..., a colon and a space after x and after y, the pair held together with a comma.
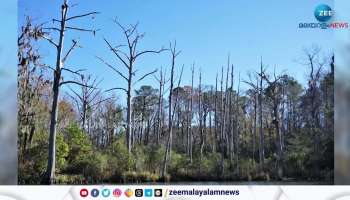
x: 210, y: 117
x: 258, y: 88
x: 216, y: 112
x: 274, y: 93
x: 127, y: 59
x: 189, y: 120
x: 158, y: 128
x: 222, y: 124
x: 261, y: 134
x: 85, y: 100
x: 237, y: 125
x: 226, y: 114
x: 200, y: 116
x: 172, y: 108
x: 58, y: 78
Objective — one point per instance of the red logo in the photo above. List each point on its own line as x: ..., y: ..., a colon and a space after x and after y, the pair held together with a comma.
x: 117, y: 192
x: 84, y: 192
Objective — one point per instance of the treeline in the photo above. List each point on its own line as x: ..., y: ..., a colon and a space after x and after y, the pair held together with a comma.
x: 276, y: 130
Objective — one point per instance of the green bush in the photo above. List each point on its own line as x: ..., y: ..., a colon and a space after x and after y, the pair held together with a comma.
x: 154, y: 159
x: 33, y: 166
x: 79, y: 143
x: 122, y: 160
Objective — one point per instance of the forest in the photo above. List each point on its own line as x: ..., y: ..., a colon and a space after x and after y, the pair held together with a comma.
x: 72, y: 131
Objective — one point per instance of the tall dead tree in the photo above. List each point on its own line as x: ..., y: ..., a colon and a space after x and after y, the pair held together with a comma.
x: 258, y: 88
x: 172, y: 107
x: 158, y: 128
x: 189, y: 119
x: 261, y: 134
x: 231, y: 130
x: 222, y: 124
x: 200, y: 115
x: 86, y: 99
x: 58, y: 81
x: 216, y: 112
x: 128, y: 58
x: 225, y: 114
x: 237, y: 126
x: 274, y: 93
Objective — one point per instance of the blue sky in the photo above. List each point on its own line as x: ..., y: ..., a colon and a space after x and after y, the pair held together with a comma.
x: 205, y: 31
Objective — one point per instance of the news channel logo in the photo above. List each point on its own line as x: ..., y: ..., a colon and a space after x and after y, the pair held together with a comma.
x: 324, y: 14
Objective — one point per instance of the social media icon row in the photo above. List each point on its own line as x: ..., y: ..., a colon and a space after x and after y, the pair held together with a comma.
x: 118, y: 192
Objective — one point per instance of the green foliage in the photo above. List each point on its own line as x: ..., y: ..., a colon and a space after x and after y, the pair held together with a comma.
x: 299, y: 149
x: 79, y: 143
x: 121, y: 160
x: 154, y: 158
x: 178, y: 164
x: 210, y: 164
x: 33, y: 168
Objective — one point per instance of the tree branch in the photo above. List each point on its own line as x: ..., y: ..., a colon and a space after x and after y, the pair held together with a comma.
x: 75, y: 82
x: 103, y: 100
x: 93, y: 31
x: 76, y: 94
x: 50, y: 40
x: 52, y: 28
x: 70, y: 50
x: 74, y: 72
x: 117, y: 88
x: 125, y: 31
x: 150, y: 51
x: 115, y: 51
x: 113, y: 68
x: 83, y: 15
x: 144, y: 76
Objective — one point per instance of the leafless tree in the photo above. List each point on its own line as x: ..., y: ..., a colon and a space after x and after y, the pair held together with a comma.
x: 58, y: 77
x: 172, y: 108
x: 128, y: 59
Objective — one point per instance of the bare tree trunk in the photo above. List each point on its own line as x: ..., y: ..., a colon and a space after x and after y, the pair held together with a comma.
x: 210, y: 118
x: 255, y: 118
x: 190, y: 118
x: 200, y: 117
x: 50, y: 170
x: 237, y: 127
x: 129, y: 109
x: 216, y: 113
x: 167, y: 155
x: 222, y: 128
x: 231, y: 121
x: 160, y: 107
x: 226, y: 118
x: 261, y: 135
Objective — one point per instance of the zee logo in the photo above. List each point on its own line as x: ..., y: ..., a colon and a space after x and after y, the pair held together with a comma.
x: 323, y: 13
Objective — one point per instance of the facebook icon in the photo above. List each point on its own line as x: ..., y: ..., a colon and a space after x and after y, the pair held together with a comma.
x: 95, y: 192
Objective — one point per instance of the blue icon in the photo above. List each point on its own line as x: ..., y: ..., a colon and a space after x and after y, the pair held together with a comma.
x: 148, y: 192
x: 95, y: 192
x: 323, y: 13
x: 106, y: 192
